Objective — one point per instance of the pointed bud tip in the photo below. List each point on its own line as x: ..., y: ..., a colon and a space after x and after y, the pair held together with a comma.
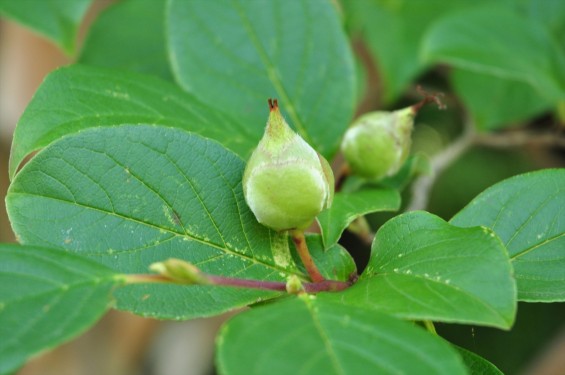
x: 273, y: 104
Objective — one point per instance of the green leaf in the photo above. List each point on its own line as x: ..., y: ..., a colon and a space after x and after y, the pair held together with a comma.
x: 396, y: 51
x: 496, y: 41
x: 141, y: 46
x: 129, y: 196
x: 476, y: 364
x: 78, y: 97
x: 549, y: 12
x: 527, y: 213
x: 309, y: 336
x: 57, y: 20
x: 47, y: 297
x: 236, y: 54
x: 496, y: 102
x: 347, y: 207
x: 422, y: 268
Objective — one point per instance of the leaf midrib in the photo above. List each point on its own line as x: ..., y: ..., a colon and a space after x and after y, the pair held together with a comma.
x: 324, y: 337
x: 189, y: 235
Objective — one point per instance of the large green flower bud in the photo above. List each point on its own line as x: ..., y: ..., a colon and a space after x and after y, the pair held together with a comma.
x: 286, y: 182
x: 378, y: 143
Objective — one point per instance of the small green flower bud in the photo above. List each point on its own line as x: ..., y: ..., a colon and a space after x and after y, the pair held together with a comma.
x: 378, y: 143
x: 286, y: 182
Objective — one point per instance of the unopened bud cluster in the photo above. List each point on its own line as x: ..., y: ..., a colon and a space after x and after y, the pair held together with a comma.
x: 287, y: 183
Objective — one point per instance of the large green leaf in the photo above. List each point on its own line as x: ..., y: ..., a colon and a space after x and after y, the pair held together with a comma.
x: 498, y: 41
x: 422, y: 268
x: 140, y: 46
x: 346, y: 207
x: 79, y: 97
x: 129, y: 196
x: 527, y: 213
x: 47, y: 297
x: 308, y: 336
x: 57, y: 20
x: 235, y: 54
x: 496, y: 102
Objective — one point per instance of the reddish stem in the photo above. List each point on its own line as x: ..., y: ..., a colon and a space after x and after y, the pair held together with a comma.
x: 302, y: 249
x: 322, y: 286
x: 279, y: 286
x: 326, y: 286
x: 246, y: 283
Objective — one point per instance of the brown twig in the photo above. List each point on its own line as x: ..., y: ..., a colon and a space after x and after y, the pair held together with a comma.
x: 422, y: 186
x: 517, y: 138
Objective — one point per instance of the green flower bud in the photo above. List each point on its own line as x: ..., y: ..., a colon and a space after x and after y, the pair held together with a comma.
x: 378, y: 143
x: 286, y: 182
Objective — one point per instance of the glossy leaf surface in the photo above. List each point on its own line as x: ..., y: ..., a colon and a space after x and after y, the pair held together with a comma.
x: 79, y: 97
x: 422, y: 268
x: 527, y: 212
x: 129, y: 196
x: 139, y: 47
x: 47, y: 297
x: 235, y: 54
x: 396, y: 52
x: 58, y: 20
x: 497, y: 41
x: 346, y: 207
x: 309, y: 336
x: 476, y: 364
x: 496, y: 102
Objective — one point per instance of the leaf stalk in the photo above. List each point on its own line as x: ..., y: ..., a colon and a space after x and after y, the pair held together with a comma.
x: 302, y: 249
